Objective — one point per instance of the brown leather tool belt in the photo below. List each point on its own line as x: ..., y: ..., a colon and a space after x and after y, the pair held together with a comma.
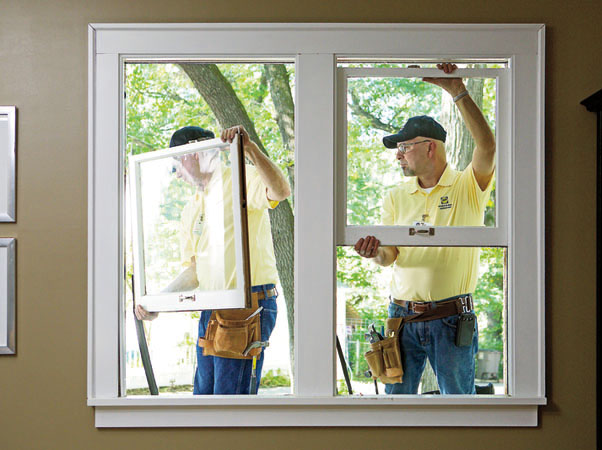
x: 230, y: 333
x: 384, y: 357
x: 424, y: 311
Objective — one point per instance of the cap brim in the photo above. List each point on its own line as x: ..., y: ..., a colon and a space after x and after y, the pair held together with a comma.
x: 391, y: 140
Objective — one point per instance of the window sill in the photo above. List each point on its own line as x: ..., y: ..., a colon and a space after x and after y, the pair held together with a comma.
x: 282, y: 400
x: 236, y: 411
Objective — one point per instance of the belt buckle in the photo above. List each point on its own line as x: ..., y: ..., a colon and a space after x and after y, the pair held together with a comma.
x: 414, y: 304
x: 465, y: 302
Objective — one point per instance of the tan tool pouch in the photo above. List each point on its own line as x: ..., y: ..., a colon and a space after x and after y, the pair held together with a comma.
x: 384, y: 359
x: 230, y: 331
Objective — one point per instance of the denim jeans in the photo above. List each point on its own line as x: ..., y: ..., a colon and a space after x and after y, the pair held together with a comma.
x: 435, y: 339
x: 222, y: 376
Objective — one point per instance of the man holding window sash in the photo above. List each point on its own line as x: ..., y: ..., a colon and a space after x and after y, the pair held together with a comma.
x: 266, y: 187
x: 436, y: 280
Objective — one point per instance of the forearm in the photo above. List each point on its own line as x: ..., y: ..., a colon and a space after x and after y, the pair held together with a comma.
x: 271, y: 175
x: 386, y: 256
x: 185, y: 281
x: 477, y: 124
x: 483, y: 157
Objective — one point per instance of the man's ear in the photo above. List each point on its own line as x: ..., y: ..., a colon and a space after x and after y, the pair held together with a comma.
x: 432, y: 151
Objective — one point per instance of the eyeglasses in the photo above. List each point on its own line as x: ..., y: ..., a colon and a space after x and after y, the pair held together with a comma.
x: 405, y: 148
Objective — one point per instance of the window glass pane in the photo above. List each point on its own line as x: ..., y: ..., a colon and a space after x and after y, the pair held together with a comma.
x: 363, y: 299
x: 380, y: 107
x: 188, y: 218
x: 160, y: 99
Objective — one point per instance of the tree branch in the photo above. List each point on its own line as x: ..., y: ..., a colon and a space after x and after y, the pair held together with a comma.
x: 374, y: 121
x: 141, y: 142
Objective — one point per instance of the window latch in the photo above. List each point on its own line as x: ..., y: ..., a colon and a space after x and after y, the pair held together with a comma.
x: 190, y: 298
x: 422, y: 230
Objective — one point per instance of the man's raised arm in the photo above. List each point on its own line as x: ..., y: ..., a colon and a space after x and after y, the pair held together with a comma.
x: 483, y: 157
x: 271, y: 175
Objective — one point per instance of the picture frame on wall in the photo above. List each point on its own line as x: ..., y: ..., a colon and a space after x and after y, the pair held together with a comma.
x: 8, y: 139
x: 7, y: 296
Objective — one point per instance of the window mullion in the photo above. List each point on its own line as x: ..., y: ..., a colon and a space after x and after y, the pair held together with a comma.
x: 314, y: 217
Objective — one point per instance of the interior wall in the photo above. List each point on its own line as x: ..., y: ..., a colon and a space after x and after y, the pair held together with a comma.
x: 43, y: 70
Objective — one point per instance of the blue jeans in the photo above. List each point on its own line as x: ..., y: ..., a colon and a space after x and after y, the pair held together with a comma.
x: 222, y: 376
x: 454, y: 366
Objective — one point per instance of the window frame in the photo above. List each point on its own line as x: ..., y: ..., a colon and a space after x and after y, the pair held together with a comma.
x: 315, y: 48
x: 238, y: 297
x: 498, y: 235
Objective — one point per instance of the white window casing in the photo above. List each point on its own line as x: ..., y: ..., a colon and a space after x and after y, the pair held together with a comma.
x: 319, y: 225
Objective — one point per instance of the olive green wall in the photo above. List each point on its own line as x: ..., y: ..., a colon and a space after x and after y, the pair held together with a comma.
x: 43, y: 65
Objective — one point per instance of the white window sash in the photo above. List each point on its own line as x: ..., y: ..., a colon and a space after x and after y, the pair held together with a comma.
x: 497, y: 236
x: 172, y: 301
x: 316, y: 44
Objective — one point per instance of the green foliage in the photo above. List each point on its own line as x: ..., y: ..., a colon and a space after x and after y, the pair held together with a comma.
x: 372, y: 168
x: 160, y: 99
x: 275, y: 379
x: 342, y: 387
x: 489, y: 296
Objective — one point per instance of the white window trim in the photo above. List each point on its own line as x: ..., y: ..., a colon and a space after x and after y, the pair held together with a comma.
x: 315, y: 47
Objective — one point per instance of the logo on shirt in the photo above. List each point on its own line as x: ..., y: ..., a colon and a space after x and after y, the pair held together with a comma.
x: 445, y: 204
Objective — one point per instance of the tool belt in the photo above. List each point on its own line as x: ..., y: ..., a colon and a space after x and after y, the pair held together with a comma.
x: 231, y: 331
x: 384, y: 358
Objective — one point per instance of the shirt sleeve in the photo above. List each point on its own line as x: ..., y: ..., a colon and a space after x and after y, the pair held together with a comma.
x: 474, y: 196
x: 257, y: 193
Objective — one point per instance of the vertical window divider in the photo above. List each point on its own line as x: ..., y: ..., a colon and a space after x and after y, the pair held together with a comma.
x: 314, y: 226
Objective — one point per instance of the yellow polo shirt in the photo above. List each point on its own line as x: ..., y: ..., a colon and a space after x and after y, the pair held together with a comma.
x: 207, y: 232
x: 435, y: 273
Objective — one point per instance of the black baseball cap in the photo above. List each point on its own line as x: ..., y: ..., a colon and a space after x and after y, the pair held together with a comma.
x: 187, y: 134
x: 416, y: 126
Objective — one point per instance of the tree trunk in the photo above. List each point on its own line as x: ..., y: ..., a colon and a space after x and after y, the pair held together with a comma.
x: 217, y: 91
x: 459, y: 142
x: 280, y: 91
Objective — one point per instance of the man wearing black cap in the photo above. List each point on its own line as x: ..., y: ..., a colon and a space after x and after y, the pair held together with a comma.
x: 437, y: 280
x: 199, y: 249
